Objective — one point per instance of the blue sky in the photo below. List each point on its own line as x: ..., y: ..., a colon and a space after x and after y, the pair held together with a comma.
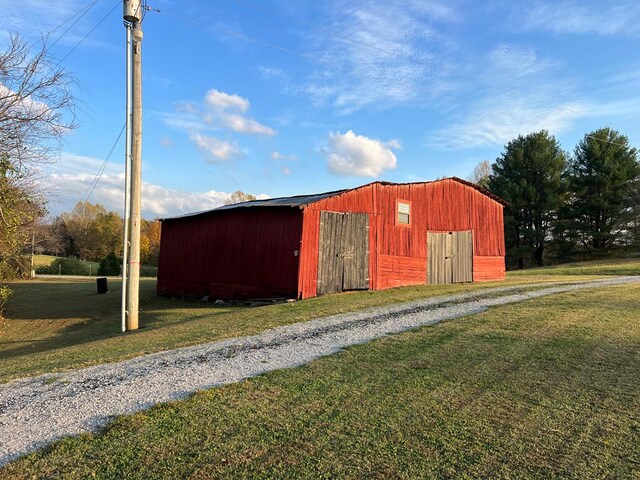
x: 283, y: 97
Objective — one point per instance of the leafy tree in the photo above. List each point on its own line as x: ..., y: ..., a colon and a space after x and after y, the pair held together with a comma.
x: 92, y: 231
x: 19, y: 210
x: 239, y: 196
x: 480, y: 174
x: 528, y: 175
x: 603, y: 179
x: 150, y: 242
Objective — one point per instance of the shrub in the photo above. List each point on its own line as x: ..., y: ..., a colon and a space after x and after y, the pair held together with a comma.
x: 109, y: 265
x: 5, y: 295
x: 148, y: 271
x: 65, y: 266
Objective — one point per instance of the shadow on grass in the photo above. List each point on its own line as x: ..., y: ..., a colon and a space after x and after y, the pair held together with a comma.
x: 46, y: 316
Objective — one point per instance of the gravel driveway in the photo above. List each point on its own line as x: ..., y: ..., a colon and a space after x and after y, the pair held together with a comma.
x: 38, y: 410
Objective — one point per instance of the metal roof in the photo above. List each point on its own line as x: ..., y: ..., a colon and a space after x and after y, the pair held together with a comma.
x: 302, y: 200
x: 295, y: 201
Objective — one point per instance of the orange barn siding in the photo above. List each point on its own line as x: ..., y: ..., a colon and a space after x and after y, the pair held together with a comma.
x: 398, y: 254
x: 487, y: 269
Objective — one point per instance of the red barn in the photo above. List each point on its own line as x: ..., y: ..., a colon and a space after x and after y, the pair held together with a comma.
x: 377, y: 236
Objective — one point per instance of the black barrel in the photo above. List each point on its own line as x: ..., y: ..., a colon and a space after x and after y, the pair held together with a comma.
x: 103, y: 287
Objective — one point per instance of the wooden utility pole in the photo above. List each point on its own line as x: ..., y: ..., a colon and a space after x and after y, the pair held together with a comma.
x: 133, y: 13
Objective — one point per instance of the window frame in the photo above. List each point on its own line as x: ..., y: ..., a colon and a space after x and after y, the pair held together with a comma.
x: 397, y: 213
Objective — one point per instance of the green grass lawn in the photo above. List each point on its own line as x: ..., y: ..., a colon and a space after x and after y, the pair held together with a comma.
x: 548, y: 388
x: 616, y: 266
x: 60, y: 324
x: 43, y: 260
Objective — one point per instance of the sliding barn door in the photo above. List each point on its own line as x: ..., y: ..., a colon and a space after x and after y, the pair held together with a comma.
x: 343, y: 252
x: 449, y: 257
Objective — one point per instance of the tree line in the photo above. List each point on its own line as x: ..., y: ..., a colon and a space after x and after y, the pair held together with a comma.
x: 563, y: 206
x: 90, y: 232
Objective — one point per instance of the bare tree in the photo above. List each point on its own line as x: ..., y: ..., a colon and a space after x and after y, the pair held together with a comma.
x: 36, y: 110
x: 480, y: 174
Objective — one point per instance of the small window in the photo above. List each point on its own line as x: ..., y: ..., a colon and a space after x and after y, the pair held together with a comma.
x: 404, y: 213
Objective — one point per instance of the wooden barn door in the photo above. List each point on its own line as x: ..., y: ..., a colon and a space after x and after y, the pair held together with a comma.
x: 462, y: 260
x: 450, y: 257
x: 343, y: 252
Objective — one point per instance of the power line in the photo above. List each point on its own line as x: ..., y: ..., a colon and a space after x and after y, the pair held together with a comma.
x: 233, y: 33
x: 84, y: 11
x: 89, y: 33
x: 80, y: 12
x: 608, y: 141
x: 309, y: 24
x: 89, y: 191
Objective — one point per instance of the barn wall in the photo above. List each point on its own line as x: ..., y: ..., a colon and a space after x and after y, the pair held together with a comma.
x: 399, y: 253
x: 240, y: 253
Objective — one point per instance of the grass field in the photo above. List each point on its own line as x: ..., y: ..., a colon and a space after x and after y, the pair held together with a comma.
x: 548, y: 388
x: 618, y: 266
x: 60, y: 324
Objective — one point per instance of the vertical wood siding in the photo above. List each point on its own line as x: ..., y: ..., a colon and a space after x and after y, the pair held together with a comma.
x: 399, y: 253
x: 240, y: 253
x: 250, y: 252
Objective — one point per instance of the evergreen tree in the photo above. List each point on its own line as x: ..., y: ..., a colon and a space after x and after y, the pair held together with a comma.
x: 603, y: 179
x: 528, y: 175
x: 109, y: 265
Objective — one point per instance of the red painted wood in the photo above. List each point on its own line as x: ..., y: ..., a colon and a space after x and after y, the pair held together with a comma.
x: 239, y: 253
x: 249, y: 251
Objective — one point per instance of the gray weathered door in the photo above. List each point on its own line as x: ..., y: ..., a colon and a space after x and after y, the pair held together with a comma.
x: 462, y: 260
x: 449, y: 257
x: 343, y: 252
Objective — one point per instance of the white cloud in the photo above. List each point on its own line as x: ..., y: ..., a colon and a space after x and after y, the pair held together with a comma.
x: 275, y: 155
x: 221, y: 101
x: 579, y: 17
x: 216, y: 150
x: 218, y: 111
x: 241, y: 124
x: 351, y: 154
x: 69, y: 181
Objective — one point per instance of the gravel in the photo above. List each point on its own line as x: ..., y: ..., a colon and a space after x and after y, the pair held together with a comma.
x: 38, y: 410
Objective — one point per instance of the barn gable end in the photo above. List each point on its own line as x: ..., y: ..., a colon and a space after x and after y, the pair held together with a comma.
x: 399, y: 252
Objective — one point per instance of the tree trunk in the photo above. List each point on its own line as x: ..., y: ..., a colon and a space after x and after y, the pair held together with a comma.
x: 537, y: 255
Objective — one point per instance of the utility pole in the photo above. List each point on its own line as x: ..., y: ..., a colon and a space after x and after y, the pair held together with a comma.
x: 132, y: 13
x: 127, y: 175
